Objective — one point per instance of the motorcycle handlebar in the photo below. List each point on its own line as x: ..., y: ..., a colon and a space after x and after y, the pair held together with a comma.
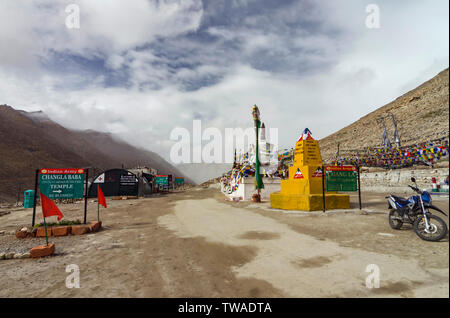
x: 415, y: 189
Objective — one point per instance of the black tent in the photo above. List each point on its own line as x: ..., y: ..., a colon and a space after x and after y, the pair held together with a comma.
x: 115, y: 182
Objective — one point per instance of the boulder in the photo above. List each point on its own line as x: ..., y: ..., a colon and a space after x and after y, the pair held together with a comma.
x: 21, y: 234
x: 2, y: 256
x: 42, y: 250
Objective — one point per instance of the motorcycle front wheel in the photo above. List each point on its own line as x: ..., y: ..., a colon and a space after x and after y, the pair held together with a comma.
x: 436, y: 231
x: 395, y: 220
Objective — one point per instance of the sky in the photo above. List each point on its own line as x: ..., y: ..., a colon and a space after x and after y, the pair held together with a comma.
x: 141, y: 68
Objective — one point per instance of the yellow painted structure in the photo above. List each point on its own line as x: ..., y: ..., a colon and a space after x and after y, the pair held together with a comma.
x: 303, y: 189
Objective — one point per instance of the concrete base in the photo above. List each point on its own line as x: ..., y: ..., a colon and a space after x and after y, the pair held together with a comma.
x: 246, y: 189
x: 309, y: 202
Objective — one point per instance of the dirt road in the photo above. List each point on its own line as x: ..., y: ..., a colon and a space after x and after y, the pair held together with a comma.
x: 196, y: 244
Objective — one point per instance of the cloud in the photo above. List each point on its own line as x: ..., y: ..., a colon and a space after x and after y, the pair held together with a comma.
x: 142, y: 69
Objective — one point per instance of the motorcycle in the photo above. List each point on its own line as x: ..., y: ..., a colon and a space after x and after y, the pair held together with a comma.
x: 416, y: 210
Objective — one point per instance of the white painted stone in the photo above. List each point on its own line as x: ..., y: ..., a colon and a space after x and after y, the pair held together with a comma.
x: 246, y: 189
x: 386, y: 234
x: 399, y: 179
x: 9, y: 255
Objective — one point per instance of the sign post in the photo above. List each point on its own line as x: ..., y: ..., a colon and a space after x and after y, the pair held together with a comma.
x: 323, y: 188
x: 359, y: 189
x: 86, y: 194
x: 36, y: 178
x: 179, y: 181
x: 344, y: 179
x: 161, y: 180
x: 341, y: 178
x: 60, y: 184
x: 46, y: 234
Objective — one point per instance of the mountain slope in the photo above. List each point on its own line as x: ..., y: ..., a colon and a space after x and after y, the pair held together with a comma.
x: 31, y: 140
x: 421, y: 114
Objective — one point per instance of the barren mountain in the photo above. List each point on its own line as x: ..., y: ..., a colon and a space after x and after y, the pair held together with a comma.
x: 421, y: 114
x: 30, y: 140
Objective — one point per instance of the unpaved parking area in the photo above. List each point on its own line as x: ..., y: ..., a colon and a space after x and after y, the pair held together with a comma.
x: 196, y: 244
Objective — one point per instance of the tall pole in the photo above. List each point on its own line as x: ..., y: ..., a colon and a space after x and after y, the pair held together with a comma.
x: 359, y: 188
x: 257, y: 165
x: 35, y: 194
x: 396, y: 136
x: 323, y: 188
x: 86, y: 195
x: 386, y: 142
x: 45, y: 228
x: 98, y: 210
x: 258, y: 180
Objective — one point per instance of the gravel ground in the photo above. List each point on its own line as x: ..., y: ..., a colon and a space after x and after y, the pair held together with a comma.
x: 197, y: 244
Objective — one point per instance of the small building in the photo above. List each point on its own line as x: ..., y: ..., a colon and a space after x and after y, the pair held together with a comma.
x: 146, y: 178
x: 115, y: 182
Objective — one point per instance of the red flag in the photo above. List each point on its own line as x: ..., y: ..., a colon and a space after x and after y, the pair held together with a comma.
x: 101, y: 197
x: 49, y: 207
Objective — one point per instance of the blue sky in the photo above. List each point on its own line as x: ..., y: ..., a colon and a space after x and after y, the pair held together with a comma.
x: 141, y: 69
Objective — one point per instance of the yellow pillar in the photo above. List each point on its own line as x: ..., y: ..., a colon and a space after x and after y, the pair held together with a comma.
x: 303, y: 189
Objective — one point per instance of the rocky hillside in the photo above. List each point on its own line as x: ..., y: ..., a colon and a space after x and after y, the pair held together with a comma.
x: 31, y: 140
x: 422, y: 114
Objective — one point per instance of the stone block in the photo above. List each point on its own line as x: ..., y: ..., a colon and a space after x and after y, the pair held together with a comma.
x: 94, y: 226
x: 80, y: 229
x: 61, y: 230
x: 41, y: 231
x: 42, y: 250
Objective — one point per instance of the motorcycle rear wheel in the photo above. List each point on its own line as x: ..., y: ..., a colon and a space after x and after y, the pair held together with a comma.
x: 394, y: 219
x: 436, y: 233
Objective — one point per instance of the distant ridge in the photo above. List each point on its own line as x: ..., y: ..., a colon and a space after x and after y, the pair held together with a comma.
x: 421, y: 114
x: 30, y: 140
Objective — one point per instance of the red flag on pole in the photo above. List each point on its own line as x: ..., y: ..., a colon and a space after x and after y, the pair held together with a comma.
x: 101, y: 197
x: 49, y: 207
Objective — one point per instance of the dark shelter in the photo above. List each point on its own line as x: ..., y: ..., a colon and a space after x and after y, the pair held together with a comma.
x: 115, y: 182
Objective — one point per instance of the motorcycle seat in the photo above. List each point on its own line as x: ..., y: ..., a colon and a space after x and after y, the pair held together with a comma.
x: 400, y: 200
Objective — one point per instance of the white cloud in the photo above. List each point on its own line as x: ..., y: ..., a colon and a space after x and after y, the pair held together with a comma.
x: 36, y: 28
x: 321, y: 71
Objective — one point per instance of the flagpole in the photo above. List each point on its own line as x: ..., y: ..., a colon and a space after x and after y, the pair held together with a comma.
x: 98, y: 202
x: 258, y: 179
x: 257, y: 165
x: 46, y: 236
